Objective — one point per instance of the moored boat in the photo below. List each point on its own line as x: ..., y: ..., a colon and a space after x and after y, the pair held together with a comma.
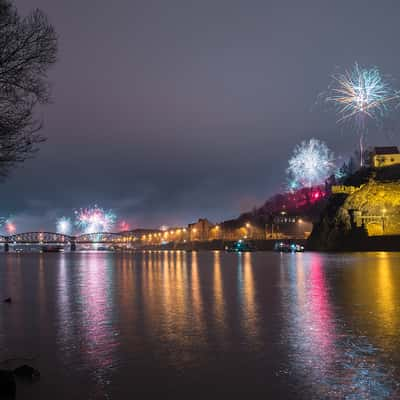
x: 51, y: 249
x: 238, y: 247
x: 285, y: 247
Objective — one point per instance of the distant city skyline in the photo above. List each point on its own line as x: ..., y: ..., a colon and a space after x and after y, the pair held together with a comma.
x: 169, y: 111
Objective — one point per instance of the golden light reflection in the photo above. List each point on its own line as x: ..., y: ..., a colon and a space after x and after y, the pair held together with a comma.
x: 197, y: 302
x: 42, y: 288
x: 173, y: 302
x: 150, y: 291
x: 127, y: 295
x: 385, y: 301
x: 250, y: 317
x: 371, y: 286
x: 219, y: 303
x: 180, y: 288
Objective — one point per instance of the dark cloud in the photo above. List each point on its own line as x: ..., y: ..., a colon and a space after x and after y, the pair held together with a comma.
x: 170, y: 110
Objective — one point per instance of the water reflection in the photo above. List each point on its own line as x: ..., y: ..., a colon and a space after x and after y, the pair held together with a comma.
x: 386, y: 302
x: 96, y: 317
x: 196, y: 298
x: 249, y: 317
x: 65, y: 325
x: 219, y: 301
x: 127, y: 298
x: 325, y: 353
x: 11, y: 286
x: 310, y: 322
x: 174, y: 307
x: 371, y: 287
x: 88, y: 331
x: 321, y: 326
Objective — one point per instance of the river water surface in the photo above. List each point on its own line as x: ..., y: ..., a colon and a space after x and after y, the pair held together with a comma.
x: 204, y: 325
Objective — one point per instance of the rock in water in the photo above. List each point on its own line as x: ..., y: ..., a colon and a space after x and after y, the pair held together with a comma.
x: 7, y: 383
x: 26, y: 372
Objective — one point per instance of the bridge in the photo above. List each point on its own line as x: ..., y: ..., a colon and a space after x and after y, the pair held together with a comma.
x: 59, y: 239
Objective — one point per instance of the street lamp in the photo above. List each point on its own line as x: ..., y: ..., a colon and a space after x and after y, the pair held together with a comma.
x: 248, y: 231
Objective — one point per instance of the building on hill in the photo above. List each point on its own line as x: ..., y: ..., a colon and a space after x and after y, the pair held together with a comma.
x: 200, y: 230
x: 385, y: 156
x: 288, y: 226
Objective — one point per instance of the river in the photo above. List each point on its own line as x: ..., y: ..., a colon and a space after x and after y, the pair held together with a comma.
x: 208, y: 325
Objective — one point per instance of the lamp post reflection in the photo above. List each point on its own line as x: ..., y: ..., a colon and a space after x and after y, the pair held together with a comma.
x: 174, y: 306
x: 197, y: 303
x: 386, y: 298
x: 219, y: 302
x: 247, y: 296
x: 128, y: 300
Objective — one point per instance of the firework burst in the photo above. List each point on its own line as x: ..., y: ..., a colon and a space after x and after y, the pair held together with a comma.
x: 123, y: 226
x: 312, y: 162
x: 10, y: 227
x: 360, y: 94
x: 94, y: 219
x: 3, y: 221
x: 64, y: 226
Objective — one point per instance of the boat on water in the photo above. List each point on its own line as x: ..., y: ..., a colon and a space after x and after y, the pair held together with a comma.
x: 103, y: 248
x: 52, y: 249
x: 238, y: 247
x: 285, y: 247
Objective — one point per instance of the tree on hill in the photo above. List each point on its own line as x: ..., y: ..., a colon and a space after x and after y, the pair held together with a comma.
x: 28, y: 47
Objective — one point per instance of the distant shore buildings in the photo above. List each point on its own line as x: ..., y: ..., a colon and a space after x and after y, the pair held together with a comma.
x: 279, y: 226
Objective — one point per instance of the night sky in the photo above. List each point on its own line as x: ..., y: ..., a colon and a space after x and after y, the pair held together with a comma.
x: 166, y: 111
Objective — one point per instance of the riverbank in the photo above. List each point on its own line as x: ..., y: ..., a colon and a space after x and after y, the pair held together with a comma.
x: 256, y: 245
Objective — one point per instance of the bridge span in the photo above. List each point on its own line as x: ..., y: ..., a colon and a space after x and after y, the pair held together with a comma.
x: 52, y: 238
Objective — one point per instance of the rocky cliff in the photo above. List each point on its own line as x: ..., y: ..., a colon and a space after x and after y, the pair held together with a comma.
x: 355, y: 221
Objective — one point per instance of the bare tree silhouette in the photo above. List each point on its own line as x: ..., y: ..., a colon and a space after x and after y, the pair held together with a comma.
x: 28, y: 47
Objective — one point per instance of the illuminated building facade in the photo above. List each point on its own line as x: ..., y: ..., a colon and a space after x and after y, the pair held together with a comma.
x: 200, y: 230
x: 385, y: 156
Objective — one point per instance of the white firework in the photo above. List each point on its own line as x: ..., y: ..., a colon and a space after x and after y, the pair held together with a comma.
x: 64, y: 226
x: 311, y: 164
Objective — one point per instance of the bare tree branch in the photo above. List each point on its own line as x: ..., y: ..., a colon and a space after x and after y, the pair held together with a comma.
x: 28, y: 47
